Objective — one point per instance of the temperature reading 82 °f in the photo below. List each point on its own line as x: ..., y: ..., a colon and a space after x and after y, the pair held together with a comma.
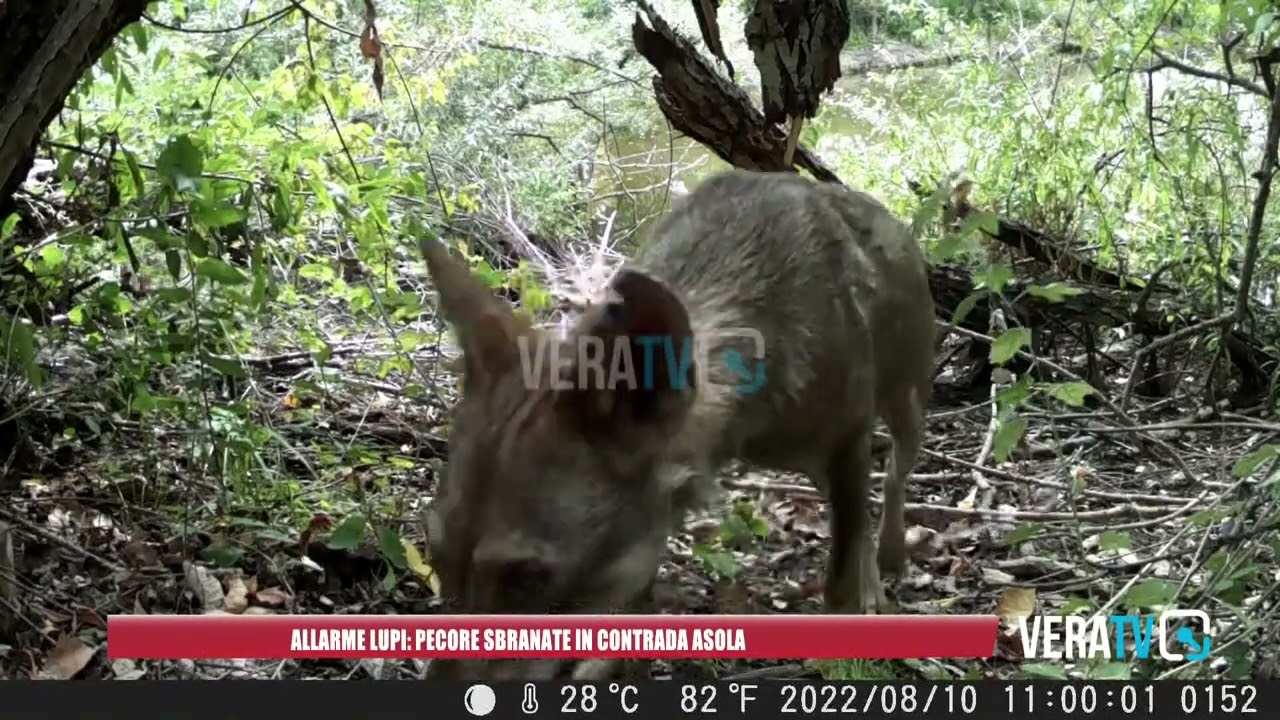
x: 585, y: 698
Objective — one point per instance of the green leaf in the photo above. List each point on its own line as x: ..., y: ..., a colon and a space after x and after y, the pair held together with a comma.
x: 181, y: 163
x: 1072, y: 393
x: 18, y: 348
x: 142, y: 400
x: 965, y: 307
x: 225, y: 366
x: 392, y: 548
x: 1023, y: 532
x: 53, y: 256
x: 316, y: 271
x: 946, y: 248
x: 1008, y: 344
x: 1241, y: 658
x: 220, y: 272
x: 1111, y: 671
x: 987, y: 222
x: 1111, y: 540
x: 1151, y: 593
x: 223, y: 554
x: 174, y: 294
x: 1249, y: 464
x: 1007, y: 437
x: 7, y: 227
x: 1264, y: 23
x: 272, y: 535
x: 1015, y: 394
x: 734, y: 529
x: 720, y: 563
x: 349, y: 534
x: 216, y: 214
x: 1217, y: 561
x: 994, y: 277
x: 1075, y: 605
x: 138, y: 33
x: 929, y: 208
x: 1054, y: 291
x: 1041, y: 670
x: 173, y: 262
x: 1208, y: 517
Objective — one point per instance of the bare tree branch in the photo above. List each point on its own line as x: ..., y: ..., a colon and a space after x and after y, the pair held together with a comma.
x: 1170, y: 62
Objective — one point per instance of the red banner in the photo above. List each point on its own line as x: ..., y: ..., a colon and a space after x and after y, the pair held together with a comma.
x: 551, y: 636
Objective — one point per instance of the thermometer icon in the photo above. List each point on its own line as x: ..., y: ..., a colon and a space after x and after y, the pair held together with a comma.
x: 530, y: 702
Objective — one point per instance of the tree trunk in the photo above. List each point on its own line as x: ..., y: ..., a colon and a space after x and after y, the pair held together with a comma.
x: 45, y: 47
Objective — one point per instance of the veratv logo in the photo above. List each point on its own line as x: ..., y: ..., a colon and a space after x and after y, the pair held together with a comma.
x: 1077, y: 637
x: 601, y: 365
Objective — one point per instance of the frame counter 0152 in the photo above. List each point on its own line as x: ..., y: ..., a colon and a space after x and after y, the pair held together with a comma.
x: 770, y: 700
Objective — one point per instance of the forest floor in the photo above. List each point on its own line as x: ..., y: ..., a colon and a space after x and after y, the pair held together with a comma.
x: 1083, y: 511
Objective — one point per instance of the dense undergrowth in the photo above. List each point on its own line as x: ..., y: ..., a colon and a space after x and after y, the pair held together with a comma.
x: 221, y: 339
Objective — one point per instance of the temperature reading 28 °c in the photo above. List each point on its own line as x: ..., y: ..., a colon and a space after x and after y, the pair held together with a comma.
x: 585, y: 698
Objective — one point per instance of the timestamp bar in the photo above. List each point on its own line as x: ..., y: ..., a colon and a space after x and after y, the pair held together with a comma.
x: 771, y: 700
x: 752, y: 700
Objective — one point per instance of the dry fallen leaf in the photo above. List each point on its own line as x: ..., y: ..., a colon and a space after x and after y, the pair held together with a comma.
x: 732, y: 598
x: 320, y: 522
x: 141, y: 555
x: 919, y: 539
x: 205, y: 586
x: 90, y: 617
x: 370, y: 44
x: 271, y: 597
x: 126, y: 670
x: 994, y: 576
x: 67, y: 659
x: 1015, y: 604
x: 237, y: 597
x: 1009, y: 646
x: 959, y: 567
x: 420, y: 567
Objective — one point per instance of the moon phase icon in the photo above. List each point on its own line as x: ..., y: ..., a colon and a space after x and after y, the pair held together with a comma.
x: 479, y: 700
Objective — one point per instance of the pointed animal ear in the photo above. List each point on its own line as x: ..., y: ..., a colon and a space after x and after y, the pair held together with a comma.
x: 487, y: 329
x: 648, y: 362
